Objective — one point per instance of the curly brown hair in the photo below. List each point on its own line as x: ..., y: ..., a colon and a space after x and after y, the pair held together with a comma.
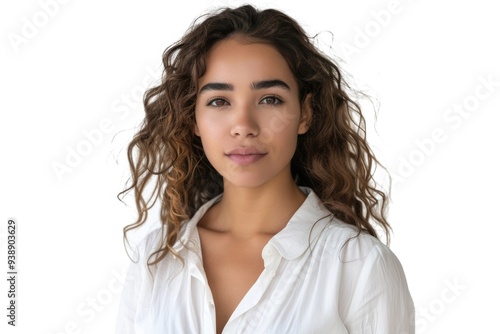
x: 332, y: 157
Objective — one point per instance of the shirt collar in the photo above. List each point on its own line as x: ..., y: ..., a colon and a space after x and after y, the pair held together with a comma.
x: 187, y: 230
x: 293, y: 240
x: 303, y: 228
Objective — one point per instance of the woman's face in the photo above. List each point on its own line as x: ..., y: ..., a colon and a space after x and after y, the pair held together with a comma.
x: 248, y: 113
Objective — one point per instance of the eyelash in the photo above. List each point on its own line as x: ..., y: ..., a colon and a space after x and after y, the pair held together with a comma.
x: 278, y: 100
x: 209, y: 104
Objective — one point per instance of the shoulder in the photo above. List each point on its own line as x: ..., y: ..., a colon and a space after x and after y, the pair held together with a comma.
x: 142, y: 272
x: 355, y: 250
x: 335, y: 236
x: 374, y: 286
x: 147, y: 244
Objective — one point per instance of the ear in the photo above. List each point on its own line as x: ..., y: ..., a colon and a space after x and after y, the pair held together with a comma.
x: 196, y: 130
x: 305, y: 115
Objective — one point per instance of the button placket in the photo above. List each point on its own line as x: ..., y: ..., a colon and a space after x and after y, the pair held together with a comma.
x: 209, y: 311
x: 268, y: 254
x: 271, y: 261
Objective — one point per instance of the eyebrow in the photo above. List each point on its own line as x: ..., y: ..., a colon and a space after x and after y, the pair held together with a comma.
x: 269, y: 84
x: 255, y: 85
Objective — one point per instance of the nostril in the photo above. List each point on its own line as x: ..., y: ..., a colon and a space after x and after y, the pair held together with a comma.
x: 245, y: 130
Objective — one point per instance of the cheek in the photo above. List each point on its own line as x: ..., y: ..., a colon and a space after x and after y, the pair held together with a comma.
x: 282, y: 126
x: 203, y: 124
x: 209, y: 130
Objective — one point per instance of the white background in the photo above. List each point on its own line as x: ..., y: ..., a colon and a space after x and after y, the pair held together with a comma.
x: 85, y: 64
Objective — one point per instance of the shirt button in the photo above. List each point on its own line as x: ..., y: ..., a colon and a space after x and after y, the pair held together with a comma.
x: 272, y: 273
x: 269, y: 252
x: 211, y: 304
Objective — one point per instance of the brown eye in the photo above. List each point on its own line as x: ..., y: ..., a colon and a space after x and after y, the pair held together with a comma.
x: 217, y: 102
x: 271, y: 100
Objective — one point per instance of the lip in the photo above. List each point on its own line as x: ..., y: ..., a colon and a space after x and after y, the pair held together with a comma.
x: 245, y: 151
x: 245, y: 156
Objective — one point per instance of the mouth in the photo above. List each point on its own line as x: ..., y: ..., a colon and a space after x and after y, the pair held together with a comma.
x: 245, y: 156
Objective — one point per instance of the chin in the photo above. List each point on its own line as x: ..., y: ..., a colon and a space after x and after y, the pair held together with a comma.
x: 242, y: 181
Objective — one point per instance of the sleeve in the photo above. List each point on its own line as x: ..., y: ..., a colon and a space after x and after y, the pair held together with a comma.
x: 129, y: 301
x: 135, y: 293
x: 381, y: 301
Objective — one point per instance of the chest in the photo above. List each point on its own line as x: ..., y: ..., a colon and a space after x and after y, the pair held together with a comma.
x: 232, y: 267
x: 290, y: 295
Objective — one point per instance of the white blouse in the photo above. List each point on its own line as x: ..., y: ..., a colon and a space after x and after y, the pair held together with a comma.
x: 317, y: 279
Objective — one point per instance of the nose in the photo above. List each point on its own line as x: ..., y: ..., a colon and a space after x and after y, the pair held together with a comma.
x: 245, y: 124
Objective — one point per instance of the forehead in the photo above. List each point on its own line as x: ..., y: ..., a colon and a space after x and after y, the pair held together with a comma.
x: 239, y: 61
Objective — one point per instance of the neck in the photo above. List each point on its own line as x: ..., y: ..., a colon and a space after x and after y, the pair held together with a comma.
x: 266, y: 209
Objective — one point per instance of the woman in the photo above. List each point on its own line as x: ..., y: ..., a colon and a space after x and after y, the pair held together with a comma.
x: 258, y: 157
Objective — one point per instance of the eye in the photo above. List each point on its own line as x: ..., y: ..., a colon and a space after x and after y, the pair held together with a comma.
x: 271, y: 100
x: 217, y: 102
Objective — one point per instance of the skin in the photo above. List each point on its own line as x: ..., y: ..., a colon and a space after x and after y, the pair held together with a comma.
x: 256, y: 107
